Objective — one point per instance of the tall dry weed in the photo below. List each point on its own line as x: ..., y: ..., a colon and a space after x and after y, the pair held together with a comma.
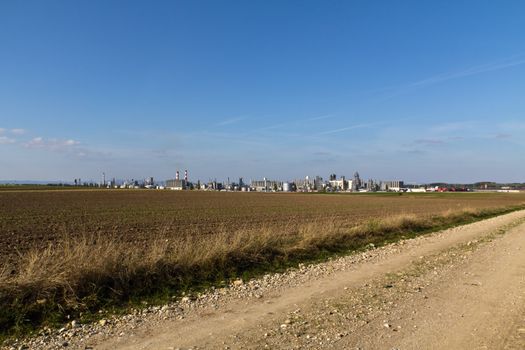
x: 87, y: 272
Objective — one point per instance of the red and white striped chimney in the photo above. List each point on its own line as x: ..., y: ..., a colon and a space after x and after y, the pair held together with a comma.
x: 177, y: 175
x: 185, y: 175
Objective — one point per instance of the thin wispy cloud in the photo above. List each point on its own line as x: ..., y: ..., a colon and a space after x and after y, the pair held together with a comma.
x: 212, y: 137
x: 17, y: 131
x: 273, y: 126
x: 89, y: 154
x: 513, y: 61
x: 512, y: 125
x: 455, y: 126
x: 51, y: 144
x: 68, y: 147
x: 294, y: 123
x: 322, y: 117
x: 348, y: 128
x: 429, y: 142
x: 502, y: 136
x: 4, y: 140
x: 231, y: 121
x: 484, y: 68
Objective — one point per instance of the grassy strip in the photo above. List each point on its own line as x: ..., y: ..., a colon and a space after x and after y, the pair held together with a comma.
x: 79, y: 277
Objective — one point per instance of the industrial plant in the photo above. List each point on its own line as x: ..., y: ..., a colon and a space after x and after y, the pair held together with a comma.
x: 333, y: 184
x: 306, y: 184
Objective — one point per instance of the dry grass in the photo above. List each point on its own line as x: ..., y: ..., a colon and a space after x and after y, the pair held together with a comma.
x: 33, y: 219
x: 85, y: 274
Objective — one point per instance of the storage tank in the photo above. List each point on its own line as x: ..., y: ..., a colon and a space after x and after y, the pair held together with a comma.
x: 287, y: 187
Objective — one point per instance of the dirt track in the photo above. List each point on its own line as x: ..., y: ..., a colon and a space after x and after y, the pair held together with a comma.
x: 441, y: 293
x: 462, y: 288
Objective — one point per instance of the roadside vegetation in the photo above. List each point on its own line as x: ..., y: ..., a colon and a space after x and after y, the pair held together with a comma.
x: 77, y: 275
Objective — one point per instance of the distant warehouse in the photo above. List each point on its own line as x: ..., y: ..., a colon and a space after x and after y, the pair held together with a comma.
x: 392, y: 185
x: 176, y: 184
x: 266, y: 185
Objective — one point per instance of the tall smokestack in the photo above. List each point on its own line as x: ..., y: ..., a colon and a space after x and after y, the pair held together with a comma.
x: 177, y: 175
x: 185, y: 175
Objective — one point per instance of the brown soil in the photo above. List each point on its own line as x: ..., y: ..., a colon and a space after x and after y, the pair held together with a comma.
x: 36, y: 219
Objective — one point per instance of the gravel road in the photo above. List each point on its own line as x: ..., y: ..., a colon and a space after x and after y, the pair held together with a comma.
x: 462, y: 288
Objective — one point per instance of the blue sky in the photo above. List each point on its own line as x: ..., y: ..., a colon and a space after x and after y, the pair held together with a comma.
x: 414, y: 90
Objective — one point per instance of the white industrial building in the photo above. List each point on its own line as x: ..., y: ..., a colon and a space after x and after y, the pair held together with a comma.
x: 266, y: 185
x: 177, y: 183
x: 340, y: 185
x: 394, y: 186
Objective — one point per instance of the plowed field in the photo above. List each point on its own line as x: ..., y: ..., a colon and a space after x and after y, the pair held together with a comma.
x: 35, y: 219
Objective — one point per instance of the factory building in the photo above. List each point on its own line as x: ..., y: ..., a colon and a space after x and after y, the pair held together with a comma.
x: 214, y: 186
x: 356, y: 183
x: 395, y: 185
x: 308, y: 184
x: 177, y: 183
x: 371, y: 186
x: 149, y: 183
x: 266, y: 185
x: 338, y: 185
